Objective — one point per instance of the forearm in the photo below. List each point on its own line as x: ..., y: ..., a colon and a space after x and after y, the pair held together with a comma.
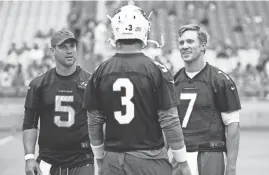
x: 170, y: 124
x: 95, y: 127
x: 232, y: 144
x: 29, y: 140
x: 174, y: 132
x: 30, y: 120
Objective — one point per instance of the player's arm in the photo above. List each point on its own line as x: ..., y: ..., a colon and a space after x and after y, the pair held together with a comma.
x: 95, y: 127
x: 172, y: 130
x: 229, y: 106
x: 29, y: 133
x: 29, y: 128
x: 231, y: 120
x: 95, y: 119
x: 30, y: 120
x: 168, y: 114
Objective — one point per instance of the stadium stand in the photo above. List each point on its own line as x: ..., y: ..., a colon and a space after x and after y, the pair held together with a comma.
x: 238, y: 37
x: 24, y: 41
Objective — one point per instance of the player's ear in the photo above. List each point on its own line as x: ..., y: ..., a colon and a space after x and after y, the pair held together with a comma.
x: 52, y: 49
x: 203, y: 46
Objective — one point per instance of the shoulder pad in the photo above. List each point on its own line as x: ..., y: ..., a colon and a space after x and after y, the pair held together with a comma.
x: 161, y: 67
x: 221, y: 73
x: 224, y: 79
x: 175, y: 75
x: 166, y: 74
x: 37, y: 81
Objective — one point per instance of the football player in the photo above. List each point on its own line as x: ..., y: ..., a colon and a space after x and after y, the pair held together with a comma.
x: 209, y: 107
x: 136, y: 98
x: 56, y: 97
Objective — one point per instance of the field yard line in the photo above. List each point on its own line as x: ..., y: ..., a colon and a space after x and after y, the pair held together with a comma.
x: 5, y: 140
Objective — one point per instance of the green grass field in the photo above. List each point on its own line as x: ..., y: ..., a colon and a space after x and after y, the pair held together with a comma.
x: 254, y: 144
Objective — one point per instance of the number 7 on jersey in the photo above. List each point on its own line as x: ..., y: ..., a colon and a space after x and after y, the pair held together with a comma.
x: 192, y: 98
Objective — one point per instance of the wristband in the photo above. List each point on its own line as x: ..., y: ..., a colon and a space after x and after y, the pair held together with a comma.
x: 98, y: 151
x: 180, y: 155
x: 29, y: 156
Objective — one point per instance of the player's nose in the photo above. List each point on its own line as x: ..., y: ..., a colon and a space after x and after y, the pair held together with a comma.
x: 69, y: 50
x: 183, y: 46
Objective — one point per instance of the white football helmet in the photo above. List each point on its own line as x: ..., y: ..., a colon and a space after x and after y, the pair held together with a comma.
x: 130, y: 22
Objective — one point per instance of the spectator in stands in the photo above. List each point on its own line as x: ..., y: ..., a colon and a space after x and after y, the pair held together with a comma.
x: 101, y: 36
x: 190, y: 5
x: 24, y: 59
x: 91, y: 24
x: 47, y: 61
x: 251, y: 82
x: 73, y: 17
x: 6, y: 77
x: 18, y: 80
x: 50, y: 33
x: 12, y: 59
x: 172, y: 13
x: 221, y: 51
x: 205, y: 19
x: 112, y: 6
x: 238, y: 28
x: 46, y: 38
x: 39, y: 34
x: 36, y: 54
x: 13, y: 49
x: 88, y: 42
x: 24, y: 47
x: 212, y: 6
x: 236, y: 73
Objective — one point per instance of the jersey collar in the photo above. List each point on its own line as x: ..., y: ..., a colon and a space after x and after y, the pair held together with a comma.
x: 197, y: 75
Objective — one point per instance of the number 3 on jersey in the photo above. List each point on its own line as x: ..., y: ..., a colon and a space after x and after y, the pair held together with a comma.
x: 192, y: 98
x: 125, y: 100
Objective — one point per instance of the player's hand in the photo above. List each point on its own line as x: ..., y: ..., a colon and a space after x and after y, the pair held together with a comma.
x: 32, y: 167
x: 180, y: 168
x: 100, y: 163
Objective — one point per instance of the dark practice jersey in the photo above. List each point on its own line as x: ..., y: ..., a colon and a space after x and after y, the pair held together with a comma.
x: 202, y: 99
x: 58, y: 101
x: 129, y: 89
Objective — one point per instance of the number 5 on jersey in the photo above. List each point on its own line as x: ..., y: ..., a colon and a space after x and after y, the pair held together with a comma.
x: 192, y: 98
x: 59, y: 107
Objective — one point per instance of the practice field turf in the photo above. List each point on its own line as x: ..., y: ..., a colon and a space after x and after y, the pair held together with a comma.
x: 254, y: 145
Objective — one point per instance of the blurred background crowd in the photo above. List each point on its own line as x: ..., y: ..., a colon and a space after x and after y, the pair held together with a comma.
x: 239, y: 38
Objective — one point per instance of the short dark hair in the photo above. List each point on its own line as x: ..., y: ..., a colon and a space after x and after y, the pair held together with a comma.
x: 129, y: 41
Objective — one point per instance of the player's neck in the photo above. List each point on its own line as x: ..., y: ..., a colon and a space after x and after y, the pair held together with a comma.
x: 65, y: 71
x: 134, y: 48
x: 195, y: 66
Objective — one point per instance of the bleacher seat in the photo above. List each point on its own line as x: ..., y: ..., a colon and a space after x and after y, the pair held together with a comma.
x: 21, y: 20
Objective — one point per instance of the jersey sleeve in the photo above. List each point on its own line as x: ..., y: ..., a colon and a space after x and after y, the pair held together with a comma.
x: 227, y: 95
x: 167, y: 96
x: 32, y: 97
x: 90, y: 96
x: 31, y: 105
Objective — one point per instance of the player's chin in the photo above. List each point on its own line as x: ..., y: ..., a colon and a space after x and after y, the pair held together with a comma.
x: 187, y: 59
x: 70, y: 61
